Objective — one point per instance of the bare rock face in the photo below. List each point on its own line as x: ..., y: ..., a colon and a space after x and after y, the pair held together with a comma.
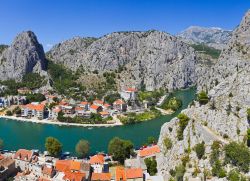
x: 152, y: 59
x: 224, y: 118
x: 23, y: 56
x: 213, y: 37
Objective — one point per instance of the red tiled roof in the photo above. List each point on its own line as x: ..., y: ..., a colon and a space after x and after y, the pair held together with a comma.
x: 130, y: 89
x: 67, y: 165
x: 93, y: 106
x: 133, y: 173
x: 98, y: 102
x: 120, y: 173
x: 57, y: 110
x: 43, y: 179
x: 37, y: 107
x: 84, y: 103
x: 101, y: 176
x: 23, y: 154
x: 149, y: 151
x: 97, y: 159
x: 103, y: 113
x: 106, y: 105
x: 119, y: 101
x: 79, y: 108
x: 74, y: 176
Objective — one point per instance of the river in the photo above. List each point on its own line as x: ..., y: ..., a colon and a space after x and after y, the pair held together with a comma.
x: 27, y: 135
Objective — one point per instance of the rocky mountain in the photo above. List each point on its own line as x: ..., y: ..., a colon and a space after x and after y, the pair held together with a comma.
x: 213, y: 37
x: 223, y: 118
x: 150, y: 59
x: 23, y: 56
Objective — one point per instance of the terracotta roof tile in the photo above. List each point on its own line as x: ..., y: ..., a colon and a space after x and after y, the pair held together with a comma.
x: 98, y: 102
x: 119, y: 101
x: 149, y: 151
x: 101, y: 177
x: 93, y: 106
x: 23, y: 154
x: 74, y: 176
x: 134, y: 173
x: 97, y: 159
x: 130, y: 89
x: 67, y: 165
x: 84, y: 103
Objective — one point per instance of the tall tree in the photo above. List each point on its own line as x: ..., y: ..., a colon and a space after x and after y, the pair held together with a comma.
x: 53, y: 146
x: 82, y: 148
x: 120, y: 149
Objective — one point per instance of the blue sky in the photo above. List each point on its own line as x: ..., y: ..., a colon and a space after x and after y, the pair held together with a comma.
x: 57, y: 20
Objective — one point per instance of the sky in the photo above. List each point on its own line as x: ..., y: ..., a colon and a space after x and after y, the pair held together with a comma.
x: 54, y: 21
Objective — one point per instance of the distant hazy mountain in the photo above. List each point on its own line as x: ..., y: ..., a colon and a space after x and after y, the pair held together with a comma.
x: 213, y: 37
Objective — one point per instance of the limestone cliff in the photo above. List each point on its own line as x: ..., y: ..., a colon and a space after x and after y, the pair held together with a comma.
x: 224, y: 118
x: 23, y: 56
x: 152, y: 59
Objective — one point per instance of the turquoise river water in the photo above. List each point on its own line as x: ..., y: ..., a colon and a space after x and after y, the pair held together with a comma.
x: 27, y: 135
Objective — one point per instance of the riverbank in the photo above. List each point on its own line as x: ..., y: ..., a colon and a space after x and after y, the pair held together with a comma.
x: 60, y: 123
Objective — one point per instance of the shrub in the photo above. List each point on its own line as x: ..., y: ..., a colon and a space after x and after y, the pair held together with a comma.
x: 183, y: 122
x: 9, y: 113
x: 215, y: 152
x: 151, y: 166
x: 202, y: 98
x: 248, y: 137
x: 200, y: 150
x: 238, y: 155
x: 167, y: 143
x: 151, y: 140
x: 234, y: 175
x: 218, y: 170
x: 179, y: 172
x: 185, y: 159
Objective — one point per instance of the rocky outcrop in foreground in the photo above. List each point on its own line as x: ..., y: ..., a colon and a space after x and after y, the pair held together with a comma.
x: 152, y: 59
x: 23, y: 56
x: 213, y: 37
x: 223, y: 118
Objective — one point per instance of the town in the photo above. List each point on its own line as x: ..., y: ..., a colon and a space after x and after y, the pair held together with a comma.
x: 44, y: 107
x: 32, y: 165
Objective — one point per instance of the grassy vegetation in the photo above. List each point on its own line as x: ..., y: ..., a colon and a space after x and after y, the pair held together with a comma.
x: 151, y: 96
x: 183, y: 122
x: 172, y: 103
x: 30, y: 80
x: 214, y: 53
x: 132, y: 118
x: 64, y: 81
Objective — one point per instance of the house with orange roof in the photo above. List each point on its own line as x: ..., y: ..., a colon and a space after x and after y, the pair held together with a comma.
x: 119, y: 105
x: 33, y: 109
x: 101, y: 177
x: 74, y: 176
x: 95, y: 108
x: 129, y: 93
x: 97, y: 163
x: 98, y: 102
x: 150, y: 151
x: 104, y: 114
x: 67, y: 165
x: 106, y: 107
x: 23, y: 158
x: 128, y: 174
